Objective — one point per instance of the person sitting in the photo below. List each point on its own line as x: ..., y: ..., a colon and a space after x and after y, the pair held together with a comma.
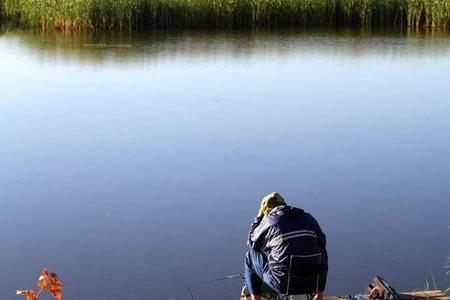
x: 279, y: 233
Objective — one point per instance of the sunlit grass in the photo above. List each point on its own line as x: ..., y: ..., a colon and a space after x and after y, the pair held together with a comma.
x: 447, y: 266
x: 147, y: 14
x: 430, y: 283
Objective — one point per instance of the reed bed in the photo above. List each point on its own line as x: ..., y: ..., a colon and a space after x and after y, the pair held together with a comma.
x: 160, y: 14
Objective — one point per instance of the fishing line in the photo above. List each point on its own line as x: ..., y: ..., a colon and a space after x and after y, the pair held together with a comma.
x: 242, y: 275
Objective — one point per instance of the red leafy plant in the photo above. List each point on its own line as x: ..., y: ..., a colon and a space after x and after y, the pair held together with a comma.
x: 47, y: 281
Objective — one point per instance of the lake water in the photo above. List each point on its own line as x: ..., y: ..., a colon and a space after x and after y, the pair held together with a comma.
x: 132, y: 165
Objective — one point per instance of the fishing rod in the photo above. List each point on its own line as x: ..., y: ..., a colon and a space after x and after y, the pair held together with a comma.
x: 242, y: 275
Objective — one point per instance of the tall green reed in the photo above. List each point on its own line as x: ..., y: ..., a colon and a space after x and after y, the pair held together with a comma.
x: 447, y: 266
x: 150, y: 14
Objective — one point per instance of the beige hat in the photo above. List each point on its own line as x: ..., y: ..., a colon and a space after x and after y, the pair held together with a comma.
x: 270, y: 201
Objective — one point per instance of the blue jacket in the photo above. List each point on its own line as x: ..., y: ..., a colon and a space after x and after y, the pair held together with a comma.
x: 287, y: 231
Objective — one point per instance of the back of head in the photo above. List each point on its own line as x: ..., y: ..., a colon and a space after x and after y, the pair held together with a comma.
x: 271, y: 201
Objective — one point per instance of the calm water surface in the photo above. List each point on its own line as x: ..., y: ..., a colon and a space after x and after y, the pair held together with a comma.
x: 132, y: 165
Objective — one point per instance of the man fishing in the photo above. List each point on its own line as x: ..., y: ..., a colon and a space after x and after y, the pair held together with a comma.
x: 286, y: 251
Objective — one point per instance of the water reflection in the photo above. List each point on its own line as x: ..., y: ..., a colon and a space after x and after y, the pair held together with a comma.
x: 133, y: 164
x: 125, y: 48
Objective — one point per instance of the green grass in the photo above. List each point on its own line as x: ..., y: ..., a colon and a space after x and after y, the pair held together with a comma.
x: 447, y: 266
x: 430, y: 284
x: 151, y: 14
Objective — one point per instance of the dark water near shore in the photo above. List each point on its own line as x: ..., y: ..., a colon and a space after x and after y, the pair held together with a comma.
x: 132, y: 165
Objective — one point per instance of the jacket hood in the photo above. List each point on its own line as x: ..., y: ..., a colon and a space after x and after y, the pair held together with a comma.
x: 286, y: 210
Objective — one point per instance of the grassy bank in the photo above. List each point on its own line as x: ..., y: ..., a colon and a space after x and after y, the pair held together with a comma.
x: 447, y: 266
x: 149, y: 14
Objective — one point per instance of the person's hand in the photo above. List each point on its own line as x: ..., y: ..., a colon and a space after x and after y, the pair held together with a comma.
x: 319, y: 296
x: 260, y: 213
